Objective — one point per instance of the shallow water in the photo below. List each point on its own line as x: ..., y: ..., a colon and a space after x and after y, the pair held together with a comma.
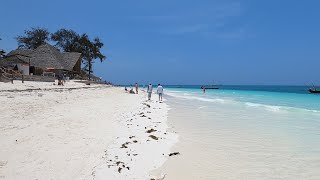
x: 244, y: 134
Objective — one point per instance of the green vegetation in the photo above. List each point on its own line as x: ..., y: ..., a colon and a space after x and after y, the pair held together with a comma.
x: 33, y: 38
x: 2, y: 52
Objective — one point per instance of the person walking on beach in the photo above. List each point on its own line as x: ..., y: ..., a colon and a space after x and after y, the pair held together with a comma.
x: 137, y: 87
x: 160, y: 92
x: 149, y: 90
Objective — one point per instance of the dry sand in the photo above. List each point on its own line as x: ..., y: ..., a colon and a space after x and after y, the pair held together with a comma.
x: 76, y: 132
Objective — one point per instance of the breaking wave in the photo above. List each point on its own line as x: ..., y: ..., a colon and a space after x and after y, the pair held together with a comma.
x: 225, y: 100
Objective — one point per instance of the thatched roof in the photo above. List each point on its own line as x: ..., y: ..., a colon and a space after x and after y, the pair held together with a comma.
x: 21, y: 52
x: 70, y: 59
x: 17, y: 56
x: 11, y: 60
x: 47, y: 56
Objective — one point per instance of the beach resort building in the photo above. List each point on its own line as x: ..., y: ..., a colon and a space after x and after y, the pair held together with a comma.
x: 45, y: 60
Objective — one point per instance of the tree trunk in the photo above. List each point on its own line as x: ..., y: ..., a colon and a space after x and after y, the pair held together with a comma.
x: 89, y: 70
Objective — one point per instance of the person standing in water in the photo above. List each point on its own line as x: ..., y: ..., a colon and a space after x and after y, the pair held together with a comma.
x: 160, y: 92
x: 204, y: 90
x: 149, y: 90
x: 137, y: 88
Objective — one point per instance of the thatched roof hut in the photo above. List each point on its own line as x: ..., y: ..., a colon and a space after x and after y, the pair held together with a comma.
x: 46, y: 57
x: 18, y: 56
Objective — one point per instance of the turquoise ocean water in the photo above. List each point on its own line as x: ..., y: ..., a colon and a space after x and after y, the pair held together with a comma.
x: 244, y: 132
x: 272, y: 96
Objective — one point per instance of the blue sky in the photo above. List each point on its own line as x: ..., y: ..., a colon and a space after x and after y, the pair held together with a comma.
x: 183, y: 41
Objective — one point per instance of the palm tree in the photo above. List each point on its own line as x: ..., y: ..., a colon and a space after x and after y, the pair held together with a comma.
x: 90, y: 51
x: 70, y: 41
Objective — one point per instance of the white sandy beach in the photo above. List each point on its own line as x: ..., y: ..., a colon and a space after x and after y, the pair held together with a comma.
x: 80, y: 132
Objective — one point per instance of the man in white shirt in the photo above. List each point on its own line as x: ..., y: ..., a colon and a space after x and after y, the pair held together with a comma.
x: 160, y: 92
x: 149, y: 91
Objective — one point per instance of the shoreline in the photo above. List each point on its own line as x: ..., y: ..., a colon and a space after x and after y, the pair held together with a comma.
x: 227, y: 140
x: 142, y: 144
x: 93, y: 132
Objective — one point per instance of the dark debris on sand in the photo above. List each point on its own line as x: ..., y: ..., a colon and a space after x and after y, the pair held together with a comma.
x: 174, y: 154
x: 124, y: 145
x: 151, y: 130
x: 148, y: 105
x: 154, y: 137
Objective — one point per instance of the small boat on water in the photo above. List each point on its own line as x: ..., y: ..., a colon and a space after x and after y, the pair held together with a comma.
x: 314, y: 90
x: 209, y: 87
